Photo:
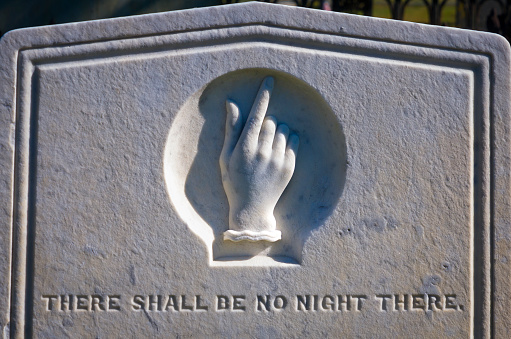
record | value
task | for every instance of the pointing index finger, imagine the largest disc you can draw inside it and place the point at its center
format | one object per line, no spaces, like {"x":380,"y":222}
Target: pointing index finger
{"x":255,"y":119}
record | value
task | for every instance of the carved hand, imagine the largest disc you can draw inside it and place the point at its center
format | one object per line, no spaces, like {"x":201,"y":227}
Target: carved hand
{"x":257,"y":163}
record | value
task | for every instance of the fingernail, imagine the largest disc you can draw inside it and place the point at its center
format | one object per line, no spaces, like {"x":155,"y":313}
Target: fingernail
{"x":269,"y":82}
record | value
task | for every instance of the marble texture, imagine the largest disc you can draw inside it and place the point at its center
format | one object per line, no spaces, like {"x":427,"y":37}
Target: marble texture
{"x":257,"y":162}
{"x":395,"y":221}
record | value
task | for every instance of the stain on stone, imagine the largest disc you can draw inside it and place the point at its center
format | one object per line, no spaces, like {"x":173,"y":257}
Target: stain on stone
{"x":419,"y":230}
{"x":391,"y":223}
{"x":94,"y":251}
{"x":67,"y":322}
{"x":432,"y":280}
{"x":133,"y":277}
{"x":345,"y":231}
{"x":267,"y":332}
{"x":151,"y":320}
{"x":447,"y":266}
{"x":376,"y":224}
{"x":430,"y":284}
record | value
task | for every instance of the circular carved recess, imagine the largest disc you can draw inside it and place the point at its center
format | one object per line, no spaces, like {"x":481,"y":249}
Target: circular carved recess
{"x":192,"y":170}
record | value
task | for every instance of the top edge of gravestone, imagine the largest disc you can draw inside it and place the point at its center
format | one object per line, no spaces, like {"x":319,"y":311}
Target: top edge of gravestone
{"x":252,"y":13}
{"x":255,"y":13}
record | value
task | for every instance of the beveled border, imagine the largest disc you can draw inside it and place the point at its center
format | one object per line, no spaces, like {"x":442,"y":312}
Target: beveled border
{"x":18,"y":67}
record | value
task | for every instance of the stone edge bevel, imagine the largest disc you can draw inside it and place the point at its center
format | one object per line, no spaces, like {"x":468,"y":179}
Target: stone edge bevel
{"x":281,"y":16}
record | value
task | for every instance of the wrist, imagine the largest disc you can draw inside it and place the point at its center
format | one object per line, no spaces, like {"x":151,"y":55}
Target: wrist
{"x":252,"y":225}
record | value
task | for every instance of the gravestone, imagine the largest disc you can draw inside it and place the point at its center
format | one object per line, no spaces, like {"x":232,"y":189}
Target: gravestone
{"x":254,"y":170}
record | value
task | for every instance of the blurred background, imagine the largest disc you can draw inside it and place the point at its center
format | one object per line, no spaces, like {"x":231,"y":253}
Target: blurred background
{"x":486,"y":15}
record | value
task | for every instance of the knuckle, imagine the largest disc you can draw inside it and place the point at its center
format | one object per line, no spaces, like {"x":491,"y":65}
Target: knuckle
{"x":262,"y":154}
{"x":275,"y":163}
{"x":246,"y":148}
{"x":289,"y":167}
{"x":252,"y":123}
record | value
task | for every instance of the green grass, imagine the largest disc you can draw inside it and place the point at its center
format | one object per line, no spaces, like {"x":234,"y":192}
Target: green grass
{"x":381,"y":9}
{"x":416,"y":11}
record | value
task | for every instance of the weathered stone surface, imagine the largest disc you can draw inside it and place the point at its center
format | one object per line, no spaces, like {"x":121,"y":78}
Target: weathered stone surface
{"x":115,"y":221}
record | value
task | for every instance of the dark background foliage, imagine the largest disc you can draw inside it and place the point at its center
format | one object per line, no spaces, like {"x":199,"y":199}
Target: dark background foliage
{"x":489,"y":15}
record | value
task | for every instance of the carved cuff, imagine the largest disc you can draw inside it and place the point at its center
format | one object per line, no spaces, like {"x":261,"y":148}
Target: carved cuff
{"x":270,"y":236}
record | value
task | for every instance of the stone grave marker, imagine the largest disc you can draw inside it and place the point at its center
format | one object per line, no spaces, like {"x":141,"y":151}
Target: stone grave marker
{"x":254,"y":171}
